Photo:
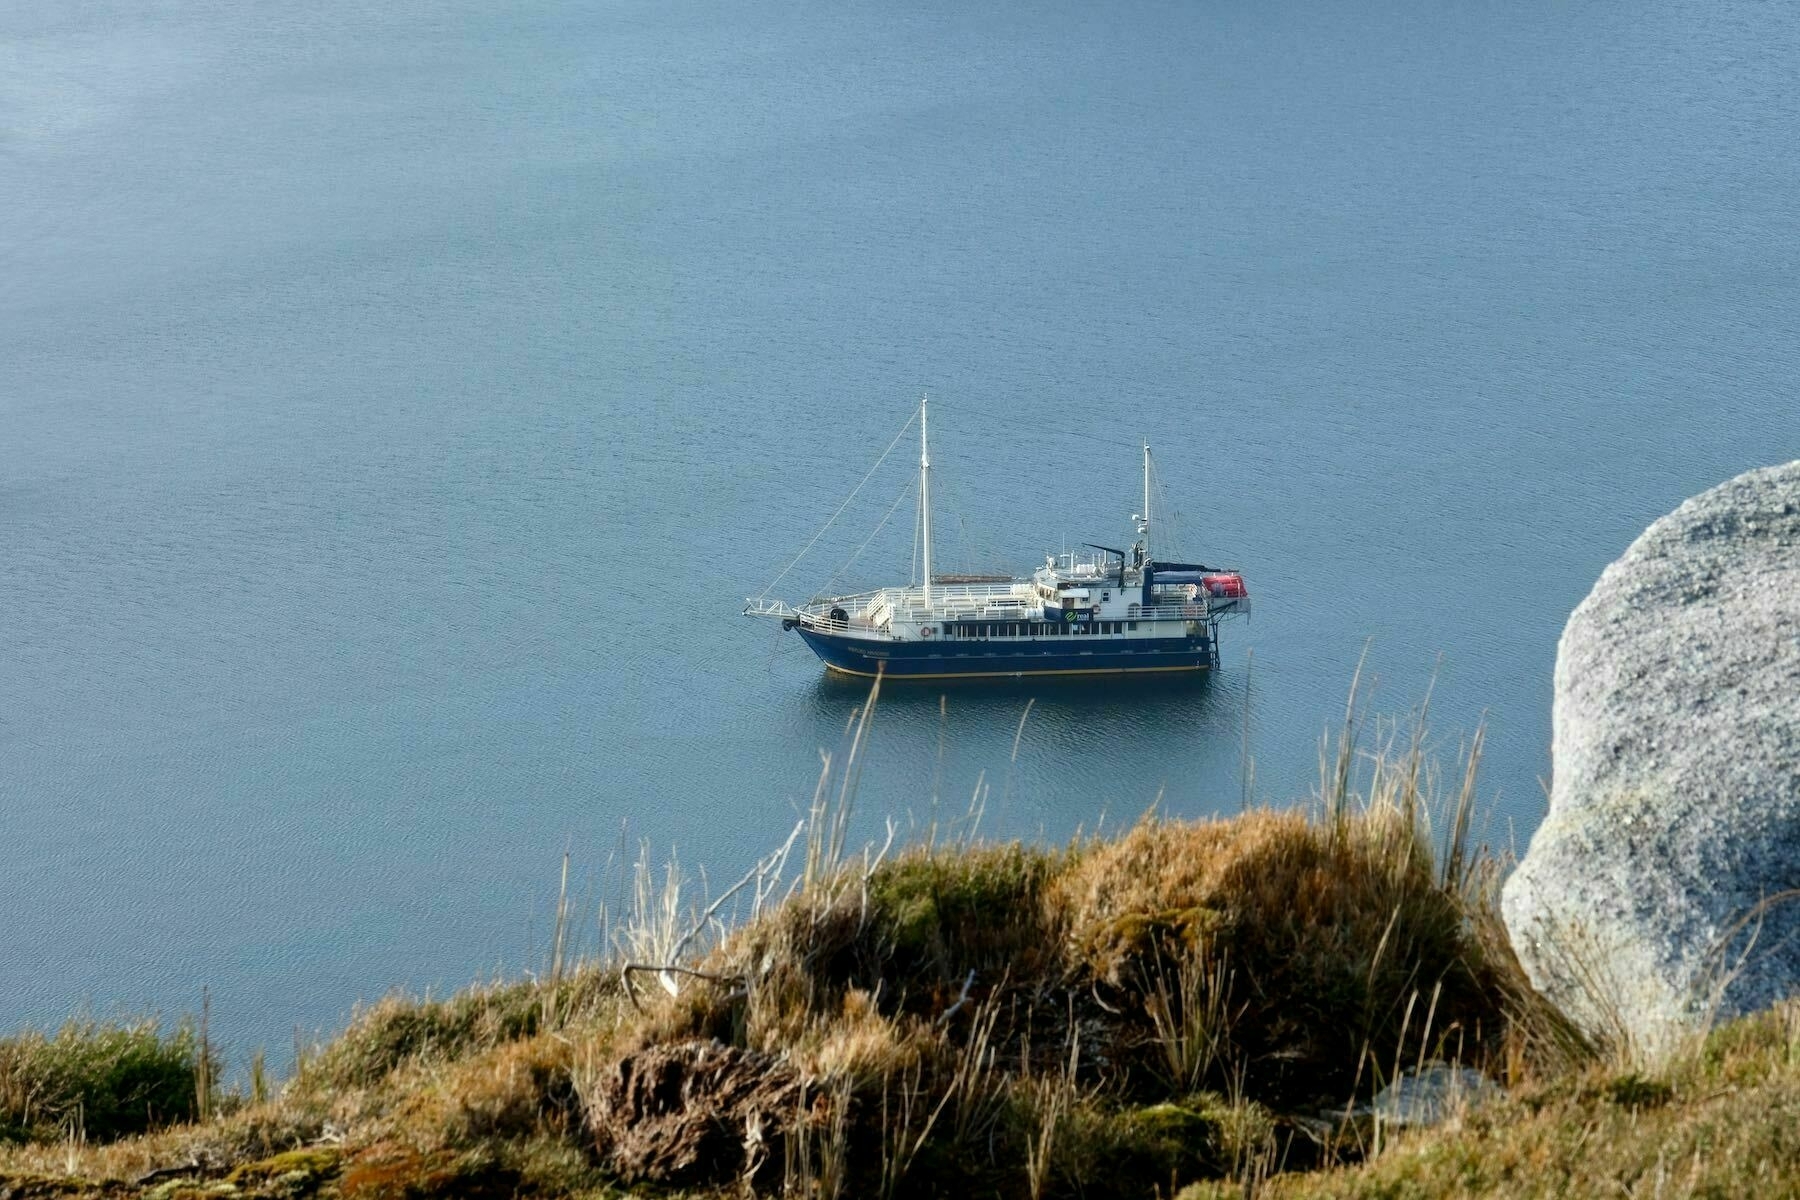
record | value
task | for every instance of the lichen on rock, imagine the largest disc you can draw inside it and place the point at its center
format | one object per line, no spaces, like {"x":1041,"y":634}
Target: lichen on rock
{"x":1654,"y":896}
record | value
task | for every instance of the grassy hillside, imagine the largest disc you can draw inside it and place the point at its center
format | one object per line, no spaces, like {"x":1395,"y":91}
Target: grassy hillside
{"x":1189,"y":1005}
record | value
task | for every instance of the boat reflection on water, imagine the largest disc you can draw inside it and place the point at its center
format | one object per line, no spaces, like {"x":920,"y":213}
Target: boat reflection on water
{"x":1038,"y":755}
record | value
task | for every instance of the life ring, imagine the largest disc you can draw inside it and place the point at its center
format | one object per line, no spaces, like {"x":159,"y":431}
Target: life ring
{"x":927,"y":631}
{"x":1094,"y":611}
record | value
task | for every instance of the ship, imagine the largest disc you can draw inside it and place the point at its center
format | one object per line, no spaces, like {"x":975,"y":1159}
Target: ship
{"x":1097,"y":611}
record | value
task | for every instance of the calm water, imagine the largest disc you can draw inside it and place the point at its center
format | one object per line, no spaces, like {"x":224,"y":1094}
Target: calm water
{"x":397,"y":401}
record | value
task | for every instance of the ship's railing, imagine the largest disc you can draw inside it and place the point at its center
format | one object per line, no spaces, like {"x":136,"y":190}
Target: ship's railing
{"x":757,"y":606}
{"x":817,"y":614}
{"x":995,"y":601}
{"x":1199,"y":609}
{"x":1185,"y":611}
{"x":969,"y":610}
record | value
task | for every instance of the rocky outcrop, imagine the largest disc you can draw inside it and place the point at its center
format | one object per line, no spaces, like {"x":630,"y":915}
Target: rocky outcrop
{"x":1656,"y":894}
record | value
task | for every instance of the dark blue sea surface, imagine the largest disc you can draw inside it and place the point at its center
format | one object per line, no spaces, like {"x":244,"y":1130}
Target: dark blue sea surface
{"x":397,"y":402}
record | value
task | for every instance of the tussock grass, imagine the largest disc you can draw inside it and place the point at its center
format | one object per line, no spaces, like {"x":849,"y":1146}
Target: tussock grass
{"x":1188,"y":1004}
{"x":99,"y":1080}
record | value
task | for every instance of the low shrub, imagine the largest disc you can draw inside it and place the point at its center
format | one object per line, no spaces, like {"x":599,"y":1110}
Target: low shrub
{"x":97,"y":1080}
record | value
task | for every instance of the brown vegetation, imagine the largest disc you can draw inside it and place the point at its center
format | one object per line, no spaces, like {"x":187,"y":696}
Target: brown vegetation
{"x":1192,"y":1004}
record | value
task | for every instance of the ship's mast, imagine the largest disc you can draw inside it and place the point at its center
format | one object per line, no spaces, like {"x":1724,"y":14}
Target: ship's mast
{"x":1144,"y":519}
{"x":925,"y":492}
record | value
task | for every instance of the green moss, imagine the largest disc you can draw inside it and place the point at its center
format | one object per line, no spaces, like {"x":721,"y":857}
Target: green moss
{"x":945,"y":913}
{"x":399,"y":1173}
{"x":296,"y":1168}
{"x":1176,"y":1138}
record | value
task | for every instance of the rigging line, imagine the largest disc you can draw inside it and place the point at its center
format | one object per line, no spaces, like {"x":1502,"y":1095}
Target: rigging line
{"x":840,"y":509}
{"x":1104,"y":441}
{"x":1176,"y":522}
{"x":849,"y":562}
{"x":1178,"y":533}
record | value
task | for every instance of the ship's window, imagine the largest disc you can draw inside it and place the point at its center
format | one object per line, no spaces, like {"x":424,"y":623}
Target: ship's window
{"x":1131,"y":624}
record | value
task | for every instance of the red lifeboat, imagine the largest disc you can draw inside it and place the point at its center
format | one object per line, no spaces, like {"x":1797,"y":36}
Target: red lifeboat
{"x":1225,"y":585}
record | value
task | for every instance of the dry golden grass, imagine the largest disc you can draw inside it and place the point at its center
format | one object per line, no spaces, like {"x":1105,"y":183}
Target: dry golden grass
{"x":1180,"y":1006}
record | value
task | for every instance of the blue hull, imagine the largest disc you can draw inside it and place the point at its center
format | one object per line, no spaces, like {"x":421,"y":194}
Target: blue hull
{"x":1010,"y":659}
